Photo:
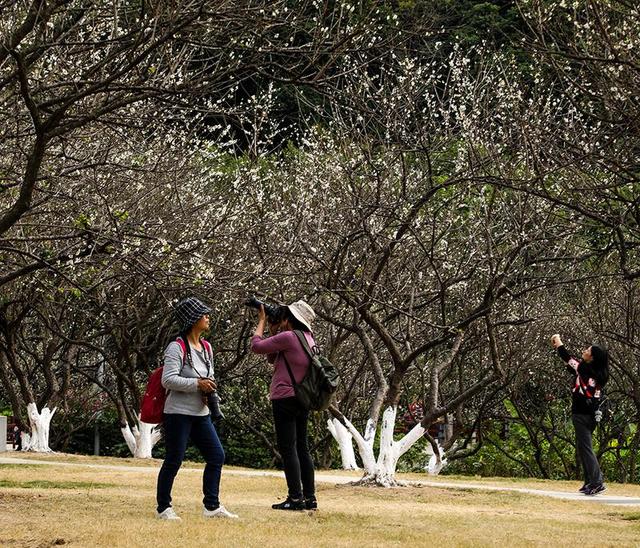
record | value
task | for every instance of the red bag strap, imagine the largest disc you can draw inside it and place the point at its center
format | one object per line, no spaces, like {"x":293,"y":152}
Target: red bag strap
{"x":183,"y":348}
{"x":204,"y":343}
{"x":182,"y":345}
{"x":207,"y":347}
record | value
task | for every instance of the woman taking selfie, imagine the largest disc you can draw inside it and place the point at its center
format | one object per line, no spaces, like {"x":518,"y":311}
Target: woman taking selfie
{"x":188,"y":375}
{"x":590,"y":375}
{"x":285,"y":352}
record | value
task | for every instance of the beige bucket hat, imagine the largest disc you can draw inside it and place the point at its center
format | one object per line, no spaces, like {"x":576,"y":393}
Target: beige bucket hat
{"x":303,"y":313}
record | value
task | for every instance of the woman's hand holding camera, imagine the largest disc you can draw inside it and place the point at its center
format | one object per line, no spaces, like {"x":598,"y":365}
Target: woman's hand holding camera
{"x":206,"y":386}
{"x":262,"y":321}
{"x":262,"y":315}
{"x":555,"y":341}
{"x":210,"y":397}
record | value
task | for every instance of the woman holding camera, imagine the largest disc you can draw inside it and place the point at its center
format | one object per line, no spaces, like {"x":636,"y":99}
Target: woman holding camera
{"x":285,"y":352}
{"x":188,"y":375}
{"x":590,"y":375}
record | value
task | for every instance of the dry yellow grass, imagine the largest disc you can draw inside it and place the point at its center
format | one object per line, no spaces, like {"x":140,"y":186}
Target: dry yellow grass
{"x":41,"y":505}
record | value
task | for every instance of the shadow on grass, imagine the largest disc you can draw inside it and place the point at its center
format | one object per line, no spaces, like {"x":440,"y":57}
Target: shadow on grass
{"x":20,"y":466}
{"x":43,"y":484}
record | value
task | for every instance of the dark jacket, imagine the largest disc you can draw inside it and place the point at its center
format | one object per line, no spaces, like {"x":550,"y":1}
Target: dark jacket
{"x":586,"y":391}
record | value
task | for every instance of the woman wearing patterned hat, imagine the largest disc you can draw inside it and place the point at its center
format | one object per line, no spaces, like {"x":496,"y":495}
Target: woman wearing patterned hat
{"x":188,"y":375}
{"x":284,"y":350}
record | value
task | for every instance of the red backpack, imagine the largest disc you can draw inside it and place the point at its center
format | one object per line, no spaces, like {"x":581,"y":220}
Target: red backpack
{"x":152,"y":405}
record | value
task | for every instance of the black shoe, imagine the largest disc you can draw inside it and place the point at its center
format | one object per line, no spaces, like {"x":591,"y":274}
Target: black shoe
{"x":585,"y":489}
{"x":596,"y":489}
{"x":290,"y":504}
{"x":311,"y":503}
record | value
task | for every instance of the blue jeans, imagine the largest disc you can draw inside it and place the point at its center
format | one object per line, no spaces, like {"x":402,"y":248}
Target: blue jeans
{"x":177,"y":430}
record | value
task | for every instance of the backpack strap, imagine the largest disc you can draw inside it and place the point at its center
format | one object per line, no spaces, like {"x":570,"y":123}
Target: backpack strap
{"x":207,"y":347}
{"x":209,"y":351}
{"x":185,"y":358}
{"x":286,"y":362}
{"x":305,"y":344}
{"x":183,"y":347}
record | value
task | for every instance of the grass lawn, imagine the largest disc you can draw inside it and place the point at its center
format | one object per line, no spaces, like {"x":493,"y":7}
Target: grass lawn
{"x":45,"y":505}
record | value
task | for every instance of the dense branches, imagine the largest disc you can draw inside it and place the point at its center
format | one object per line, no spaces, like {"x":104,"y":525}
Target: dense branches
{"x":437,"y":197}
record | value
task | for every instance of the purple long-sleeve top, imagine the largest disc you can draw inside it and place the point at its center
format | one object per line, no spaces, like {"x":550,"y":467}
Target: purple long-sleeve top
{"x":277,"y":346}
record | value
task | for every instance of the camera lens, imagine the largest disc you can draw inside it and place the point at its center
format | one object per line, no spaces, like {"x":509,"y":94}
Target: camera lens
{"x":213,"y":401}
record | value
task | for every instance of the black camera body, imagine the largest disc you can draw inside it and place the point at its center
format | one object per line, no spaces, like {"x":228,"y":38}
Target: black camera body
{"x":275,"y":313}
{"x":213,"y":401}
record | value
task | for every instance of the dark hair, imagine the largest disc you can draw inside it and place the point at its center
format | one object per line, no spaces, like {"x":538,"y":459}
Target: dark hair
{"x":183,"y":334}
{"x":600,"y":357}
{"x":295,"y":322}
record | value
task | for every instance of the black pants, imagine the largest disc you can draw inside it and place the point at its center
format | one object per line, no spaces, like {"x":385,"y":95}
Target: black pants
{"x":290,"y":420}
{"x":584,"y":426}
{"x":177,"y":431}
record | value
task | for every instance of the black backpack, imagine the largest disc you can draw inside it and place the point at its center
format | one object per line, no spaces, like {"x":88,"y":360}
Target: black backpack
{"x":316,"y":388}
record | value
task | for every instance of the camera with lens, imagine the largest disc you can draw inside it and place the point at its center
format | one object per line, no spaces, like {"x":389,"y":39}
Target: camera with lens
{"x":274,"y":312}
{"x":213,"y":401}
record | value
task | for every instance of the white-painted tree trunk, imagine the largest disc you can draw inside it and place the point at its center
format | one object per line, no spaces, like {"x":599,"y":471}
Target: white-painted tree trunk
{"x":345,"y":444}
{"x":141,"y":438}
{"x":387,"y":457}
{"x":390,"y":450}
{"x":38,"y":440}
{"x":382,"y":471}
{"x":437,"y":460}
{"x":365,"y":445}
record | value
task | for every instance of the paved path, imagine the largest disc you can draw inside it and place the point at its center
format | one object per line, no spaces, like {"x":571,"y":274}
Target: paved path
{"x":617,"y":500}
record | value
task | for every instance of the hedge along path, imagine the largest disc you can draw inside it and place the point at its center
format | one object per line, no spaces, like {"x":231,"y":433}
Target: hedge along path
{"x":615,"y":500}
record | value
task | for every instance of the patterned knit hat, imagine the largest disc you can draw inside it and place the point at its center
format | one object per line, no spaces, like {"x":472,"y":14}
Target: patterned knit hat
{"x":188,"y":311}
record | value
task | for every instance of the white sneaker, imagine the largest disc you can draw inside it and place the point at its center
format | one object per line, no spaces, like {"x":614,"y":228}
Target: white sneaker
{"x":169,"y":513}
{"x":219,"y":512}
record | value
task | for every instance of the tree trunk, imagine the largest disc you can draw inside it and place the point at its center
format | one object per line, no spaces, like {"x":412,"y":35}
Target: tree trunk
{"x":437,"y":461}
{"x":141,"y":438}
{"x":387,"y":457}
{"x":633,"y":456}
{"x":364,"y":444}
{"x":39,"y":422}
{"x":345,"y":444}
{"x":382,"y":472}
